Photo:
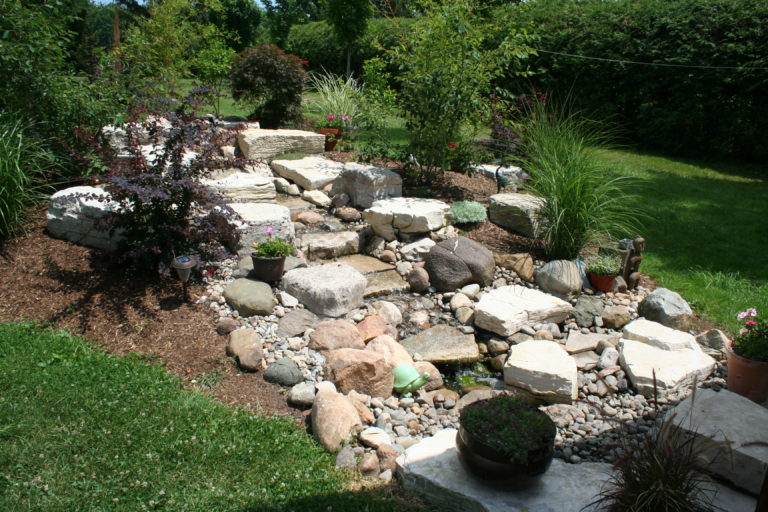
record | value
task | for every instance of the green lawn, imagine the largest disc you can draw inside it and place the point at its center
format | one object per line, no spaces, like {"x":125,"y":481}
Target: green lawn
{"x":84,"y":430}
{"x":706,"y":230}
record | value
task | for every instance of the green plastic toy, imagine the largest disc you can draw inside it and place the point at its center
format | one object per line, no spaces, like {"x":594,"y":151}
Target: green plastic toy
{"x":408,"y":380}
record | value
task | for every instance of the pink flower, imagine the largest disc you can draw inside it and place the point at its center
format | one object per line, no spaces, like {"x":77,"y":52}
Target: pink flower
{"x":269,"y":230}
{"x":331,"y":117}
{"x":345,"y":118}
{"x":751,"y":323}
{"x":742,"y":315}
{"x":751,"y":312}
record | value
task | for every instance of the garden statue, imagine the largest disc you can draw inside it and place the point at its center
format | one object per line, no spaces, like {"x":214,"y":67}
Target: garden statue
{"x":408,"y":380}
{"x":634,"y":255}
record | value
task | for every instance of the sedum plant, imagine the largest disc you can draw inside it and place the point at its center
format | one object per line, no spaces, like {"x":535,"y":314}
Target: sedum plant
{"x":466,"y":212}
{"x":603,"y":265}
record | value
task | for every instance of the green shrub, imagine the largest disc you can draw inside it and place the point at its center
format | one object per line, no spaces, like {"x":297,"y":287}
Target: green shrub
{"x":466,"y":212}
{"x":22,"y":163}
{"x":679,"y":109}
{"x":582,"y":203}
{"x":603,"y":265}
{"x":271,"y":82}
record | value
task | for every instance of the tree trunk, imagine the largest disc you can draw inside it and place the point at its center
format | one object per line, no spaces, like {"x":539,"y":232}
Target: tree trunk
{"x":349,"y":60}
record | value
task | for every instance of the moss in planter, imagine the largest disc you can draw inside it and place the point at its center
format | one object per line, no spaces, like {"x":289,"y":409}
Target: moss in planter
{"x":508,"y":424}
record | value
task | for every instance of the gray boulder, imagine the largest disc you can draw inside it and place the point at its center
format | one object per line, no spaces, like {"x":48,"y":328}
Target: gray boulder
{"x":560,"y":277}
{"x":586,"y":309}
{"x":457,"y":261}
{"x":283,"y":372}
{"x":443,"y":344}
{"x":517,"y":212}
{"x":249,"y":297}
{"x":667,"y":308}
{"x":333,"y":289}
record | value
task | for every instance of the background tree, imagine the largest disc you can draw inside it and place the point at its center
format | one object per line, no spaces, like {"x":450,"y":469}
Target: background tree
{"x":283,"y":14}
{"x":349,"y":19}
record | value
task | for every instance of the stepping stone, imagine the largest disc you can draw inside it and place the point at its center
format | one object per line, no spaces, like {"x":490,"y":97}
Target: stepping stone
{"x":385,"y":283}
{"x":365,"y":264}
{"x":243,"y":187}
{"x":672,"y":368}
{"x":293,"y":203}
{"x":432,"y":468}
{"x":578,"y":342}
{"x":333,"y":289}
{"x":442,"y":344}
{"x":310,"y":173}
{"x":715,"y":416}
{"x":543,"y":368}
{"x":659,"y":336}
{"x":365,"y":184}
{"x":507,"y":309}
{"x":72,"y":216}
{"x":258,"y":144}
{"x":257,"y":217}
{"x":390,"y":217}
{"x":326,"y":246}
{"x":516,"y":212}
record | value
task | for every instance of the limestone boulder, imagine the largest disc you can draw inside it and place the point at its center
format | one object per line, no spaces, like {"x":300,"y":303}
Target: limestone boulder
{"x":560,"y":277}
{"x":316,"y":197}
{"x":384,"y":283}
{"x":443,"y":344}
{"x":74,"y":214}
{"x":257,"y":217}
{"x":390,"y":217}
{"x":393,"y":352}
{"x":520,"y":263}
{"x":671,"y":368}
{"x":365,"y":184}
{"x":260,"y":144}
{"x":249,"y":297}
{"x":363,"y":371}
{"x":333,"y":289}
{"x":457,"y":261}
{"x":333,"y":419}
{"x":507,"y":309}
{"x":616,"y":317}
{"x":578,"y":342}
{"x":657,"y":335}
{"x":243,"y":187}
{"x":302,"y":394}
{"x":326,"y":246}
{"x":544,"y":369}
{"x":667,"y":308}
{"x":517,"y":212}
{"x":310,"y":173}
{"x":335,"y":334}
{"x":418,"y":250}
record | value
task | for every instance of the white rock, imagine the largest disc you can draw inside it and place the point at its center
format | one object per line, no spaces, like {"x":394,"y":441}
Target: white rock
{"x":543,"y":368}
{"x":302,"y":394}
{"x":416,"y":251}
{"x":259,"y":169}
{"x":256,"y":143}
{"x":471,"y":290}
{"x":609,"y":357}
{"x":333,"y":289}
{"x":672,"y":368}
{"x":659,"y":336}
{"x":257,"y":217}
{"x":559,"y":276}
{"x":460,"y":301}
{"x":668,"y":308}
{"x":512,"y":175}
{"x":389,"y":217}
{"x":73,"y":216}
{"x":507,"y":309}
{"x":316,"y":197}
{"x":310,"y":173}
{"x":718,"y":416}
{"x":323,"y":246}
{"x":389,"y":312}
{"x":242,"y":186}
{"x":365,"y":184}
{"x":578,"y":342}
{"x":375,"y":437}
{"x":517,"y":212}
{"x":287,"y":300}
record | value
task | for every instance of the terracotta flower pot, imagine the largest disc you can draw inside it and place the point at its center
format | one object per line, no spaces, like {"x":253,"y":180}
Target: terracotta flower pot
{"x":747,"y":377}
{"x":602,"y":283}
{"x":494,"y":467}
{"x":268,"y":269}
{"x":332,"y":137}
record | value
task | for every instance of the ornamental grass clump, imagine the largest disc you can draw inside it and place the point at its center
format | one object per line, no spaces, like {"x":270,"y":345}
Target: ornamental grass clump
{"x":582,"y":203}
{"x":510,"y":425}
{"x":339,"y":97}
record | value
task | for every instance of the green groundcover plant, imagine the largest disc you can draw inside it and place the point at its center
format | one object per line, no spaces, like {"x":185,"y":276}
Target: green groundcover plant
{"x":752,"y":341}
{"x":603,"y":265}
{"x":466,"y":212}
{"x":273,"y":247}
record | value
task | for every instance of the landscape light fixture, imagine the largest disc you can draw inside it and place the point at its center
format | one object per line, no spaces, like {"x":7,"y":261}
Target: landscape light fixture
{"x":183,"y":266}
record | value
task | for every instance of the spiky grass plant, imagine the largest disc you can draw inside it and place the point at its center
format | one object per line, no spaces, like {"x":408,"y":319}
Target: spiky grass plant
{"x":582,"y":201}
{"x":22,"y":161}
{"x":338,"y":96}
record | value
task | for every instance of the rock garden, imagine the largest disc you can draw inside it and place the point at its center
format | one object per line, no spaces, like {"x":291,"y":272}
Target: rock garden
{"x":375,"y":283}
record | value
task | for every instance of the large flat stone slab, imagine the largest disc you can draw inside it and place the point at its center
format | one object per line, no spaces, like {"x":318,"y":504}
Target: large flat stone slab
{"x":310,"y":173}
{"x":507,"y":309}
{"x":728,"y":416}
{"x":257,"y":217}
{"x":326,"y":246}
{"x":432,"y":469}
{"x":672,"y":368}
{"x":390,"y":217}
{"x":659,"y":336}
{"x":543,"y":368}
{"x":257,"y":143}
{"x":517,"y":212}
{"x":365,"y":184}
{"x":333,"y":289}
{"x":365,"y":264}
{"x":74,"y":213}
{"x":442,"y":344}
{"x":385,"y":283}
{"x":243,"y":187}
